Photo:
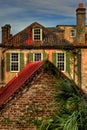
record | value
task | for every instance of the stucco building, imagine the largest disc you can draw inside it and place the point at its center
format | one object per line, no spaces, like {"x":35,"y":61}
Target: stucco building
{"x":64,"y":45}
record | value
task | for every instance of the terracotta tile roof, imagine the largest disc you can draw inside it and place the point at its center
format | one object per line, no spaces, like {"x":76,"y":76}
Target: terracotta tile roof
{"x":12,"y":86}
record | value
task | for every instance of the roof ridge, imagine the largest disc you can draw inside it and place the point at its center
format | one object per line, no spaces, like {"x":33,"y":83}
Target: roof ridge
{"x":13,"y":85}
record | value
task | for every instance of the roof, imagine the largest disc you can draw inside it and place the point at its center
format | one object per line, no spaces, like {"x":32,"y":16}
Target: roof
{"x":27,"y":72}
{"x":52,"y":36}
{"x":12,"y":86}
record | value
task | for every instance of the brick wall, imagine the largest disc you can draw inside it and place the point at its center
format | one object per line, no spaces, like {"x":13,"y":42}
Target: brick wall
{"x":0,"y":63}
{"x":35,"y":101}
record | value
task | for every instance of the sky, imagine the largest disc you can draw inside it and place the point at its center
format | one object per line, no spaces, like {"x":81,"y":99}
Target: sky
{"x":21,"y":13}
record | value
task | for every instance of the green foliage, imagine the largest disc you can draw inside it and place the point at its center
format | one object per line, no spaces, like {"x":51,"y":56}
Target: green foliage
{"x":80,"y":29}
{"x":65,"y":91}
{"x":68,"y":62}
{"x":6,"y":120}
{"x":72,"y":109}
{"x":31,"y":116}
{"x":50,"y":67}
{"x":71,"y":114}
{"x":54,"y":58}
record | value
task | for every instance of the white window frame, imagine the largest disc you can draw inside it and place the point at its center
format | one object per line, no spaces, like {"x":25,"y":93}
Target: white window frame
{"x":73,"y":34}
{"x":15,"y":61}
{"x":37,"y":34}
{"x":61,"y":61}
{"x":37,"y":53}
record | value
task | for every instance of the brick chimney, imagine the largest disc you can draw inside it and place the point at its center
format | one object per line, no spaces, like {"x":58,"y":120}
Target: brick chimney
{"x":80,"y":22}
{"x":6,"y":32}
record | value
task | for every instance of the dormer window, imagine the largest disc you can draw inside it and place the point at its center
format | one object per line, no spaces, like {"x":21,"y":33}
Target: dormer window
{"x":37,"y":34}
{"x":72,"y":33}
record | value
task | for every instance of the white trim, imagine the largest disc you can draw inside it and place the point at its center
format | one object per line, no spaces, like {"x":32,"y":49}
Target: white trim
{"x":73,"y":32}
{"x":64,"y":59}
{"x":33,"y":34}
{"x":18,"y":61}
{"x":37,"y":53}
{"x":41,"y":34}
{"x":37,"y":34}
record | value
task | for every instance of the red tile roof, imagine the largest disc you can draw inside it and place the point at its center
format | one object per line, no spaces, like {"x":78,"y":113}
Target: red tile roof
{"x":12,"y":86}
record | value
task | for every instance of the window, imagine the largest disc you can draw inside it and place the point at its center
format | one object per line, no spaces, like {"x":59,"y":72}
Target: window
{"x":72,"y":33}
{"x":37,"y":56}
{"x":37,"y":34}
{"x":14,"y":60}
{"x":61,"y":61}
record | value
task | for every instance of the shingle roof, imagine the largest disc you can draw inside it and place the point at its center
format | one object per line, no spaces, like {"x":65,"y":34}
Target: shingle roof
{"x":12,"y":86}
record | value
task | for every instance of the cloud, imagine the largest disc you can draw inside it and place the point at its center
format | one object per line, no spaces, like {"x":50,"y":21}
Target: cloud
{"x":36,"y":7}
{"x":21,"y":13}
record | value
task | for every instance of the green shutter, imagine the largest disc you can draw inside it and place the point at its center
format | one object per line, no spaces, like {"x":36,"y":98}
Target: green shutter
{"x":7,"y":62}
{"x":44,"y":56}
{"x":21,"y":61}
{"x":54,"y":58}
{"x":30,"y":57}
{"x":68,"y":62}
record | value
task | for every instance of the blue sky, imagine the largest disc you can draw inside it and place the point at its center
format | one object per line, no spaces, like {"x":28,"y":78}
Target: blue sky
{"x":21,"y":13}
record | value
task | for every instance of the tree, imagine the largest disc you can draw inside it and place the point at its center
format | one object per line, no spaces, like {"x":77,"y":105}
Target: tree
{"x":72,"y":109}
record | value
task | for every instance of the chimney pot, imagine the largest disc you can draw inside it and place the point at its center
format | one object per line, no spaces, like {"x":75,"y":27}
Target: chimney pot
{"x":81,"y":5}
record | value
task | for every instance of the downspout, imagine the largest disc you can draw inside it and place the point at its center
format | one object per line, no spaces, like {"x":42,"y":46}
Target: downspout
{"x":79,"y":68}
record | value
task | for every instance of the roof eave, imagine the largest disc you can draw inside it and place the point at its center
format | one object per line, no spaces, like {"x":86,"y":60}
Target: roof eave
{"x":71,"y":47}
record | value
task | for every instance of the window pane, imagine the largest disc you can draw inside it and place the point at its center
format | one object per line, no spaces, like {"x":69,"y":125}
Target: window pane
{"x":61,"y":66}
{"x":37,"y":34}
{"x":14,"y":61}
{"x":60,"y":61}
{"x":37,"y":56}
{"x":60,"y":56}
{"x":36,"y":31}
{"x":14,"y":67}
{"x":72,"y":33}
{"x":14,"y":57}
{"x":36,"y":37}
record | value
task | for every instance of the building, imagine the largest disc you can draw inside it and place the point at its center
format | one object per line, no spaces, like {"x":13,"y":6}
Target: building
{"x":64,"y":45}
{"x":29,"y":97}
{"x":59,"y":53}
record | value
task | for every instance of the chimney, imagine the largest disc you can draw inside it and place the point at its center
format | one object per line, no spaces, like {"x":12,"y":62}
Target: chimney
{"x":80,"y":22}
{"x":6,"y":32}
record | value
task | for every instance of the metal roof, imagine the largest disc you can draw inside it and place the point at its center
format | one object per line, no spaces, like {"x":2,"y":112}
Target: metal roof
{"x":12,"y":86}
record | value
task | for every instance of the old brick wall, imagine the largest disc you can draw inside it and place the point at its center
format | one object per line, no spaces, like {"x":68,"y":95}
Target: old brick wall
{"x":0,"y":65}
{"x":35,"y":101}
{"x":67,"y":36}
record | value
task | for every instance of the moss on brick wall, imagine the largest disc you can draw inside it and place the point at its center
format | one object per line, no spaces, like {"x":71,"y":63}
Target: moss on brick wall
{"x":32,"y":104}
